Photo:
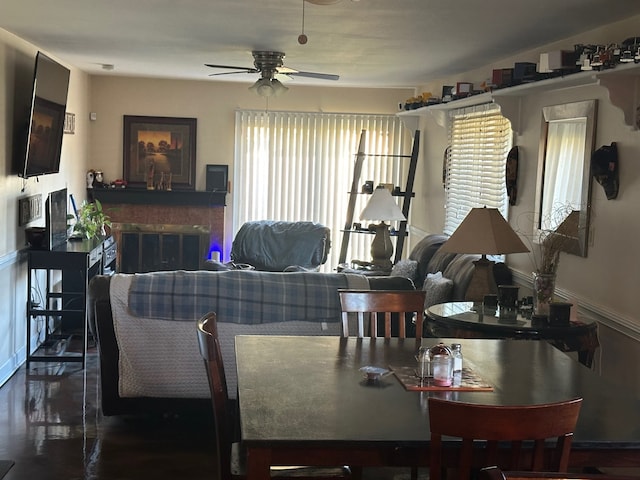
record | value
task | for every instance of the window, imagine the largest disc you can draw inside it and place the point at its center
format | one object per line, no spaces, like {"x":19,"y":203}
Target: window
{"x":479,"y":140}
{"x":297,"y":166}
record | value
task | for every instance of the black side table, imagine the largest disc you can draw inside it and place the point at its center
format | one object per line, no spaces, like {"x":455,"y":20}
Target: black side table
{"x":472,"y":320}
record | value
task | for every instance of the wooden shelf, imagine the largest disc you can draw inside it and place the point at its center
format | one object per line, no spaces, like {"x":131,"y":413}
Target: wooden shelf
{"x":622,"y":82}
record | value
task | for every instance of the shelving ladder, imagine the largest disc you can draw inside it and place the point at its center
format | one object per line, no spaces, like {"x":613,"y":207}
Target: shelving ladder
{"x":407,"y":194}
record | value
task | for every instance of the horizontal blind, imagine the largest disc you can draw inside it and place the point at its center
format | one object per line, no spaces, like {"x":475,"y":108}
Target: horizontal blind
{"x":298,"y":166}
{"x":479,"y":140}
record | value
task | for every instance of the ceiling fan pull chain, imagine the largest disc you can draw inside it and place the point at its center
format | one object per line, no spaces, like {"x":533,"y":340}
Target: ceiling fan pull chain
{"x":302,"y":38}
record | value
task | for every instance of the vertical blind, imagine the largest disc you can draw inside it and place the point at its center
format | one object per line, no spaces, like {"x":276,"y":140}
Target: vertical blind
{"x":479,"y":140}
{"x":298,"y":166}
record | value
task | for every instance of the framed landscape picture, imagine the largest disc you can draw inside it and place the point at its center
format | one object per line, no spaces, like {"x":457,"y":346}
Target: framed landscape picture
{"x":159,"y":152}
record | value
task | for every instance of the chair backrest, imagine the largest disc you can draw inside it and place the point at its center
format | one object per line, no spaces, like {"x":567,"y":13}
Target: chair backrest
{"x":521,"y":426}
{"x":370,"y":305}
{"x":222,"y":407}
{"x":495,"y":473}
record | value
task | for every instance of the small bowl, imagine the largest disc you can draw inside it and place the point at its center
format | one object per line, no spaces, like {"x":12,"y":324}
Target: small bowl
{"x":36,"y":237}
{"x":374,"y":373}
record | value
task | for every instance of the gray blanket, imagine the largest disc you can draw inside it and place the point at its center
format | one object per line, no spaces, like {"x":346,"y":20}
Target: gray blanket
{"x":240,"y":296}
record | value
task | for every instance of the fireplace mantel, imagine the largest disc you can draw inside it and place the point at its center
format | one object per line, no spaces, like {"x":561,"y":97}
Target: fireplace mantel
{"x":157,"y":197}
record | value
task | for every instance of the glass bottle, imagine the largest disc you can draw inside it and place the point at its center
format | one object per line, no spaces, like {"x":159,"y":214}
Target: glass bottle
{"x":456,"y":352}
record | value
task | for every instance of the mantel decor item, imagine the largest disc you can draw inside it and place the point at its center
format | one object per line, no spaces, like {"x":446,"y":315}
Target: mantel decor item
{"x":483,"y":231}
{"x":157,"y":145}
{"x":381,"y":207}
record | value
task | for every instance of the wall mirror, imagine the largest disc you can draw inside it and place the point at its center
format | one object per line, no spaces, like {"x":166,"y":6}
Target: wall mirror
{"x":563,"y":194}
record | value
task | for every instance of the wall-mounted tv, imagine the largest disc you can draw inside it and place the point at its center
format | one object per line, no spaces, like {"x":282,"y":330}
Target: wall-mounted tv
{"x":38,"y":135}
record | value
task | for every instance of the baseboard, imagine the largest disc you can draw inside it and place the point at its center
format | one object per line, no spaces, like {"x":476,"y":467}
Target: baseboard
{"x":8,"y":368}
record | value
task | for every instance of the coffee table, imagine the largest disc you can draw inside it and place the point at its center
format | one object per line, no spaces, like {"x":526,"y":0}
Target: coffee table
{"x":472,"y":320}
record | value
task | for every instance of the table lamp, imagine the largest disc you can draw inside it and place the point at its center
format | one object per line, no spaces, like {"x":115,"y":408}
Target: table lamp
{"x":381,"y":207}
{"x":483,"y":231}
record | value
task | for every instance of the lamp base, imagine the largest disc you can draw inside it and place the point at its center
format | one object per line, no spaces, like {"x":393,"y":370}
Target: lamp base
{"x":482,"y":281}
{"x":381,"y":247}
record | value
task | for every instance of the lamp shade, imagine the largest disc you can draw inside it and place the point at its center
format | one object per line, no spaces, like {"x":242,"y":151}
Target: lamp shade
{"x":382,"y":207}
{"x":484,"y":231}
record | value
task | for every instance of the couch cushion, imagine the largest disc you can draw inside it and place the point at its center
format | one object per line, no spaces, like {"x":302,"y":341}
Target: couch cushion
{"x":438,"y":289}
{"x":460,"y":270}
{"x":440,"y":261}
{"x":406,"y":269}
{"x":423,"y":251}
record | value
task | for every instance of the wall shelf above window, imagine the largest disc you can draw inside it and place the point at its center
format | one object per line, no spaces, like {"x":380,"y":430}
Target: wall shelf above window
{"x":622,"y":82}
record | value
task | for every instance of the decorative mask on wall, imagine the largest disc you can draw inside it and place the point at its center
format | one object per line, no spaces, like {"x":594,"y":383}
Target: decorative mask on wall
{"x":604,"y":168}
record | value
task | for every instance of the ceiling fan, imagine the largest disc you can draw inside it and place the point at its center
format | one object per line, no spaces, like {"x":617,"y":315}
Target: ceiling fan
{"x":268,"y":64}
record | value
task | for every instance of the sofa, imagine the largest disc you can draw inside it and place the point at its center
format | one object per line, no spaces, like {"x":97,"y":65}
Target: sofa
{"x":277,"y":246}
{"x":144,"y":324}
{"x":444,"y":276}
{"x":145,"y":327}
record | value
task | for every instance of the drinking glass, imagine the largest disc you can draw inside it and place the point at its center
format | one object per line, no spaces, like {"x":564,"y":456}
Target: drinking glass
{"x":442,"y":368}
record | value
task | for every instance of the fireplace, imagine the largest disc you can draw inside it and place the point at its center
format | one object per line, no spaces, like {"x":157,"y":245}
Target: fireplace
{"x":160,"y":230}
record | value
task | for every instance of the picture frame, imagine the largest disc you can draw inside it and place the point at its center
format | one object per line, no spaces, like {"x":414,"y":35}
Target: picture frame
{"x":69,"y":123}
{"x":159,"y":151}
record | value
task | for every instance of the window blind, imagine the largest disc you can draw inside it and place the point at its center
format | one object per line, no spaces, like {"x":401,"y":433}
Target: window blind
{"x":479,"y":140}
{"x":298,"y":166}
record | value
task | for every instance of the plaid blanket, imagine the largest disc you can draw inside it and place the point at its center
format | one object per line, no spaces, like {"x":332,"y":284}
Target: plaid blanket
{"x":244,"y":297}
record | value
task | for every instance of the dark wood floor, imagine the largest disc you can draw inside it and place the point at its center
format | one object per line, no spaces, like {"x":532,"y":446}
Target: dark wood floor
{"x":52,"y":427}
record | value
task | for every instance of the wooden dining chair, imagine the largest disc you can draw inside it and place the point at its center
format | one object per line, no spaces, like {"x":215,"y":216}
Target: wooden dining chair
{"x":526,"y":428}
{"x":495,"y":473}
{"x":231,"y":464}
{"x":391,"y":306}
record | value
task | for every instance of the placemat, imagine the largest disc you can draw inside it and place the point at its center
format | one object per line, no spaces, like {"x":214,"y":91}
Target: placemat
{"x":468,"y":381}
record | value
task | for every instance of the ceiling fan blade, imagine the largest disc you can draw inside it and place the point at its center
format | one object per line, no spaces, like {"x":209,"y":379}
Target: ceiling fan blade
{"x":230,"y":73}
{"x":321,"y":76}
{"x":244,"y":69}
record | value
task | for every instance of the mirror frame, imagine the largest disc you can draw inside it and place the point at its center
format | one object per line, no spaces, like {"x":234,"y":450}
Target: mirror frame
{"x":584,"y":109}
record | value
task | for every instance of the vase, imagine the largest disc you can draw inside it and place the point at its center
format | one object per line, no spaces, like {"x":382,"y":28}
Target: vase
{"x":544,"y":285}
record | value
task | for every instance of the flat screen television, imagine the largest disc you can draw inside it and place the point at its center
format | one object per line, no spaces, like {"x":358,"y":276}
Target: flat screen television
{"x":38,"y":135}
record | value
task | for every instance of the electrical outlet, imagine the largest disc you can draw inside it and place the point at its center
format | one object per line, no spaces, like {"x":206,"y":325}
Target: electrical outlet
{"x":29,"y":209}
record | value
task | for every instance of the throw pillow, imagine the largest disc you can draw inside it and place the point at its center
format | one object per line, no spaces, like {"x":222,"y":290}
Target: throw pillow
{"x":405,"y":268}
{"x":437,"y":288}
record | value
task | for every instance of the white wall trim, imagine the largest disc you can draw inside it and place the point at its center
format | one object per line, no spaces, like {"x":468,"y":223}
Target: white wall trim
{"x":11,"y":365}
{"x":9,"y":259}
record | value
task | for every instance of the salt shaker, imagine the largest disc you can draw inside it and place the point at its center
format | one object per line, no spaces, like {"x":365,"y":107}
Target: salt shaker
{"x":456,"y":352}
{"x":424,"y":362}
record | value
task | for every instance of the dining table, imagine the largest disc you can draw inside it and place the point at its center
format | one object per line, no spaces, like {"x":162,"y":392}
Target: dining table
{"x":304,"y":400}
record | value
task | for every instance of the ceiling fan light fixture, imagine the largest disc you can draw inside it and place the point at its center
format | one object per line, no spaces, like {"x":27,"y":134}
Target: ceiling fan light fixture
{"x":266,"y":87}
{"x":278,"y":87}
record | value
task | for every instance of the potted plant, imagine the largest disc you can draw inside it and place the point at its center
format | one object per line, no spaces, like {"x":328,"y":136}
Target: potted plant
{"x":92,"y":221}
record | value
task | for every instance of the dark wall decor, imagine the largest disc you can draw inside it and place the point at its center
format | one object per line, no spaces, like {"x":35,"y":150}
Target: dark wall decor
{"x":159,"y":149}
{"x":217,"y":178}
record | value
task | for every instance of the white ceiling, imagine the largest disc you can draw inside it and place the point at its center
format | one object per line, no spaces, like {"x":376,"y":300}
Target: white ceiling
{"x":376,"y":43}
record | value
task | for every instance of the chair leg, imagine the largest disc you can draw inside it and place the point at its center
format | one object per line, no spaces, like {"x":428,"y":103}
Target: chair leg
{"x":414,"y":473}
{"x":356,"y":472}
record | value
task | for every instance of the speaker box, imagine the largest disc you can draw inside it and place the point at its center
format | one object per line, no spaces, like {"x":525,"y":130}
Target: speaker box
{"x":217,"y":178}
